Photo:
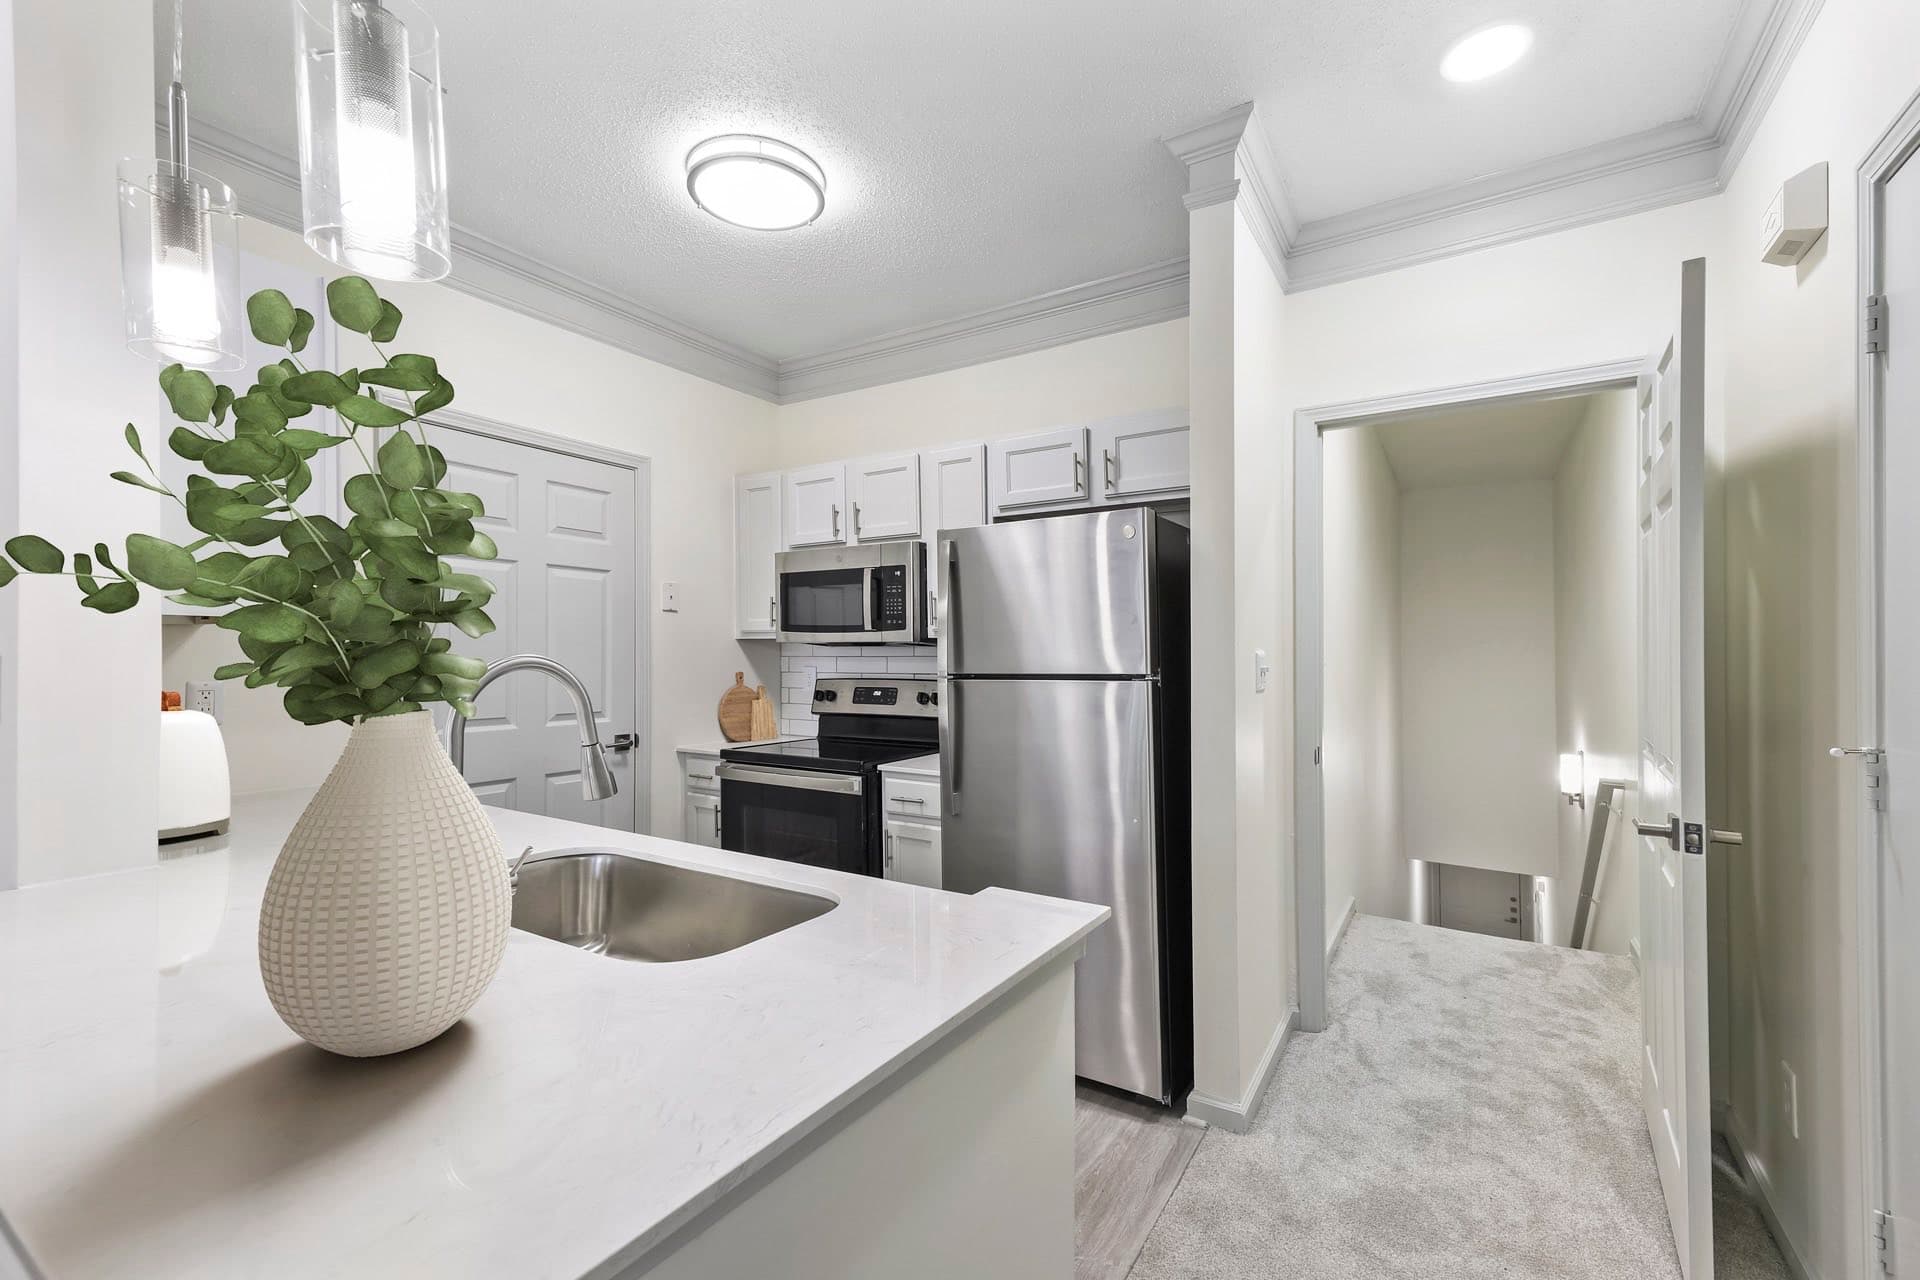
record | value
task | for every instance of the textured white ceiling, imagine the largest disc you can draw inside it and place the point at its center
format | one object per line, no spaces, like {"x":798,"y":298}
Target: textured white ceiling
{"x":1481,"y":444}
{"x":976,"y":154}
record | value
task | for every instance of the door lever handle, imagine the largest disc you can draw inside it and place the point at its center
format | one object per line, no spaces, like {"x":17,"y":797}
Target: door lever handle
{"x":1668,"y":830}
{"x":1870,"y":754}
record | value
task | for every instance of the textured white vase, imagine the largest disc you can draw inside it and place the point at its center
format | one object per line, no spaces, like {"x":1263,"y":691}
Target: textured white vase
{"x":388,"y":908}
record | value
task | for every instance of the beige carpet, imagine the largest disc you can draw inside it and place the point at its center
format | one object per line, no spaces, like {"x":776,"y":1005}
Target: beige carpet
{"x":1473,"y":1111}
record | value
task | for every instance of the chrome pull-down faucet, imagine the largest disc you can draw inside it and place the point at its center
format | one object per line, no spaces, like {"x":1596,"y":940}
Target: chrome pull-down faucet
{"x":596,"y":779}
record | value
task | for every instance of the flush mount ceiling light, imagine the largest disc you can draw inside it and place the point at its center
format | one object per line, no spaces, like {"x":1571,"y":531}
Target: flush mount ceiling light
{"x":754,"y":182}
{"x":1487,"y":52}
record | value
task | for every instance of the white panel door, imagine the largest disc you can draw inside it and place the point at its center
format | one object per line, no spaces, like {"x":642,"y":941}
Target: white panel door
{"x":567,"y":582}
{"x":1672,"y":818}
{"x":886,"y":497}
{"x":1045,"y":469}
{"x":953,"y":495}
{"x":913,"y":854}
{"x":1897,"y":877}
{"x":1142,"y":454}
{"x":756,"y":540}
{"x":816,"y":498}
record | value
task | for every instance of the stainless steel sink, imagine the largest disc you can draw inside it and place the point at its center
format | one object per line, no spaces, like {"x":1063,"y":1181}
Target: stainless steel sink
{"x":634,"y":908}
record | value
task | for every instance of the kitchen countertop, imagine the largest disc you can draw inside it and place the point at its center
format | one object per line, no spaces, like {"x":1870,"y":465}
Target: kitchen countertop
{"x":715,"y":748}
{"x":927,"y":766}
{"x":156,"y":1118}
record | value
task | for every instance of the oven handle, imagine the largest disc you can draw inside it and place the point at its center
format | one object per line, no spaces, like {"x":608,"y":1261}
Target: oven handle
{"x":797,"y":779}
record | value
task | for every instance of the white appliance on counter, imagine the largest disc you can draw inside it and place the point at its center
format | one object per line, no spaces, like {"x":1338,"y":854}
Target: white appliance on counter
{"x":196,"y":792}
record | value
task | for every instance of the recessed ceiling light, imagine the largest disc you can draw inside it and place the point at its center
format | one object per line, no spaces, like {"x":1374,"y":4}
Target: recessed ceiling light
{"x":754,"y":182}
{"x":1487,"y":52}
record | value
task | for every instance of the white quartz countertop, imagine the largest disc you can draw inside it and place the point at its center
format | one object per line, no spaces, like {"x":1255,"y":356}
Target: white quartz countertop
{"x":927,"y":766}
{"x":157,"y":1119}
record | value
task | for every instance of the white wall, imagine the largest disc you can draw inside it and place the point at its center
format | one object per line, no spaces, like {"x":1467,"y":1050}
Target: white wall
{"x":1478,"y":764}
{"x":1786,"y":414}
{"x":518,"y":370}
{"x":1366,"y":863}
{"x":85,"y":701}
{"x":9,"y":447}
{"x":1596,"y":647}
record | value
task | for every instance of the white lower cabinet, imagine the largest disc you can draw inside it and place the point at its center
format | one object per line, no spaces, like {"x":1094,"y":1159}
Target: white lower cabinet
{"x":703,"y":819}
{"x":700,"y":798}
{"x":912,"y":853}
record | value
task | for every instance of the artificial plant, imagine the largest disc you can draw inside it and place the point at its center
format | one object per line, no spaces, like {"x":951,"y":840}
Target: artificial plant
{"x":344,"y":618}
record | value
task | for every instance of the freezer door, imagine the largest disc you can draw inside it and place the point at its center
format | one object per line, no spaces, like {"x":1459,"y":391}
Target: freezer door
{"x":1049,"y":788}
{"x":1063,"y":596}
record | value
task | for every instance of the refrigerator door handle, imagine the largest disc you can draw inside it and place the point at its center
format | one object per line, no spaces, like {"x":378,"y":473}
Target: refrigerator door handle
{"x":950,"y":740}
{"x":949,"y":574}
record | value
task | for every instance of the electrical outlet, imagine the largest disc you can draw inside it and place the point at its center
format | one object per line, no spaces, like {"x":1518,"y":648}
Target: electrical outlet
{"x":1790,"y":1098}
{"x":203,"y":695}
{"x":669,"y":597}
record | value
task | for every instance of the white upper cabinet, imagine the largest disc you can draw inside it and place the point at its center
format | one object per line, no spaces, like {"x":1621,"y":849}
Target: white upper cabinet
{"x":953,"y":488}
{"x":886,"y":497}
{"x":814,"y":507}
{"x":1140,"y":455}
{"x":756,"y":537}
{"x":1041,"y":470}
{"x":953,"y":495}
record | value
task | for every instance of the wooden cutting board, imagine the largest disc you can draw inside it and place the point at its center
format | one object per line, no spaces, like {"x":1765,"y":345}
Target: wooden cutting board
{"x":736,"y":710}
{"x":765,"y":723}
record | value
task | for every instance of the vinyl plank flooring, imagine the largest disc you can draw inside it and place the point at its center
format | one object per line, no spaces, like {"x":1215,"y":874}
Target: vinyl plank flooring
{"x":1128,"y":1158}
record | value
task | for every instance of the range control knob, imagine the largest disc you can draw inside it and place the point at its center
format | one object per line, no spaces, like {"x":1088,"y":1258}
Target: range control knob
{"x":825,"y":695}
{"x":924,"y":699}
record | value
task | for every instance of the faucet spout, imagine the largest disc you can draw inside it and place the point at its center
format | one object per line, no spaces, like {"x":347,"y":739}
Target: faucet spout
{"x":596,"y":779}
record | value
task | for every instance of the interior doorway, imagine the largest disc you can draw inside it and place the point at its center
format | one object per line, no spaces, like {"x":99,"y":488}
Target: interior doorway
{"x":1479,"y":678}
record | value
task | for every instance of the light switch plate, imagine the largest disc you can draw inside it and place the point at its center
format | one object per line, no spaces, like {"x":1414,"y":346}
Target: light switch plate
{"x":1262,"y":670}
{"x":669,"y":597}
{"x":1790,"y":1097}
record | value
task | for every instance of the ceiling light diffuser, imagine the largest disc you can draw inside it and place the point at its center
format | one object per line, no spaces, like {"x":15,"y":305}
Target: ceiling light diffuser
{"x":758,"y":183}
{"x":1486,"y":52}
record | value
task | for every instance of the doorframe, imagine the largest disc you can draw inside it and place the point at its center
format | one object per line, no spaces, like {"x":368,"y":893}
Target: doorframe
{"x":1309,"y":571}
{"x":1896,"y":147}
{"x":642,"y":468}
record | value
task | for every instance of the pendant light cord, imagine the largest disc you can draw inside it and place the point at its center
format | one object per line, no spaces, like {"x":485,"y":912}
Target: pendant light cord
{"x":177,"y":95}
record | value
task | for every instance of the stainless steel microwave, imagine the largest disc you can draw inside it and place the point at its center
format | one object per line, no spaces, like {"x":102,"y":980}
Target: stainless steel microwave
{"x":873,"y":594}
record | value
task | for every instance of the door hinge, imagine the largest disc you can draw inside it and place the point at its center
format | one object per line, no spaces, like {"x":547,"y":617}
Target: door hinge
{"x":1884,"y":1237}
{"x":1874,"y":323}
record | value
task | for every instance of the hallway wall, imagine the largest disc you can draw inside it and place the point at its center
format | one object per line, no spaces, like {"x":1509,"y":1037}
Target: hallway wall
{"x":1478,"y":765}
{"x":1596,"y":649}
{"x":1366,"y":865}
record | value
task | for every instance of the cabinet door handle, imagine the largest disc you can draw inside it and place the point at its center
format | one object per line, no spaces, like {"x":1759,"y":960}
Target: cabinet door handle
{"x":716,"y":821}
{"x":856,"y":522}
{"x":889,"y":861}
{"x":910,"y":800}
{"x":699,"y":777}
{"x":1106,"y":469}
{"x":1079,"y":473}
{"x":836,"y":519}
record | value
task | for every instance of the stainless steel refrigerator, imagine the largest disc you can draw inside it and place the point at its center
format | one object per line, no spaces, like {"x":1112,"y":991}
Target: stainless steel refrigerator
{"x":1064,"y":760}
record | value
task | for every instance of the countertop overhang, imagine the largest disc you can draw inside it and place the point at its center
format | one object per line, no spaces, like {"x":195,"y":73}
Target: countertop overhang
{"x":157,"y":1118}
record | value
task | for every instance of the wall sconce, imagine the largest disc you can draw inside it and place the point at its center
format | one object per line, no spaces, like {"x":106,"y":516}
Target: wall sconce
{"x":1573,"y":778}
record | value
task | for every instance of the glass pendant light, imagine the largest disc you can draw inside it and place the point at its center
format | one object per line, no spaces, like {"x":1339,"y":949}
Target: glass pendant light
{"x":373,"y":167}
{"x":179,"y":251}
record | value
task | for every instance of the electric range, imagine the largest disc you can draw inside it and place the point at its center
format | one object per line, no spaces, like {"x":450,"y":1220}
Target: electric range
{"x":817,"y":800}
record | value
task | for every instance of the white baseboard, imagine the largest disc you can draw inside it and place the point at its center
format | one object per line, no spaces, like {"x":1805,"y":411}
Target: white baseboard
{"x":1757,"y":1179}
{"x":1237,"y":1117}
{"x":1339,"y":931}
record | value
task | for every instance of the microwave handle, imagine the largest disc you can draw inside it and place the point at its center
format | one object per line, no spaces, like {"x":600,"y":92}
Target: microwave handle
{"x":868,"y":586}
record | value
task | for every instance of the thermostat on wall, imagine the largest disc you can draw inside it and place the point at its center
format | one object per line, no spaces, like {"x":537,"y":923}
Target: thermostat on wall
{"x":1796,"y":218}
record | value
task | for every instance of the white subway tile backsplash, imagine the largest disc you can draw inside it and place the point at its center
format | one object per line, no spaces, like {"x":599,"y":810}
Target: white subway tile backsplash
{"x":802,"y":664}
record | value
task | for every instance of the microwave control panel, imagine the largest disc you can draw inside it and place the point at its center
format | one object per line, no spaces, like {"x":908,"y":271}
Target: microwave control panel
{"x":890,"y":598}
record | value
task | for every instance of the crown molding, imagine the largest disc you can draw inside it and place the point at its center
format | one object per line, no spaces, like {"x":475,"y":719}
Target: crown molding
{"x":1661,"y":167}
{"x":268,"y":186}
{"x":1227,"y":159}
{"x":1126,"y":301}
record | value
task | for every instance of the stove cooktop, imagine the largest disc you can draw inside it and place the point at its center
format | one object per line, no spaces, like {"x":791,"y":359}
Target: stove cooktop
{"x":832,"y":755}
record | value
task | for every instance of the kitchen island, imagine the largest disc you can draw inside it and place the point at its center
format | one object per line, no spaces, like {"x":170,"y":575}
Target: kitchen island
{"x":884,"y":1090}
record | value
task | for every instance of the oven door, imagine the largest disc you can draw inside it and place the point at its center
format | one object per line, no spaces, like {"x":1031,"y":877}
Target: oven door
{"x":827,"y":606}
{"x":797,"y":815}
